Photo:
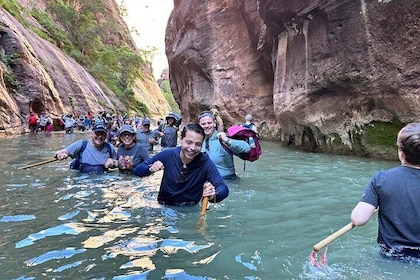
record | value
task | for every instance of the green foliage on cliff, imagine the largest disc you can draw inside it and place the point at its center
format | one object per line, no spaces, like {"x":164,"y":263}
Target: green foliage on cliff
{"x":14,"y":8}
{"x":383,"y":133}
{"x":10,"y":81}
{"x":167,"y":93}
{"x":74,"y":26}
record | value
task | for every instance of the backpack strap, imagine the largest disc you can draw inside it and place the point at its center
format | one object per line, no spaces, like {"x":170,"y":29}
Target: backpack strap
{"x":225,"y":147}
{"x":82,"y":148}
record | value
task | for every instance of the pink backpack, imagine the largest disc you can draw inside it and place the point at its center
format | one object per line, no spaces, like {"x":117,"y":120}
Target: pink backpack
{"x":242,"y":133}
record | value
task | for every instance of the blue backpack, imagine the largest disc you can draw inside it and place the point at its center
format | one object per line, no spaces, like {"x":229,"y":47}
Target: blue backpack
{"x":75,"y":163}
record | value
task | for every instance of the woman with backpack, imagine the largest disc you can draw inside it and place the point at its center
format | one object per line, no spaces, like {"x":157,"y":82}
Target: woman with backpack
{"x":222,"y":158}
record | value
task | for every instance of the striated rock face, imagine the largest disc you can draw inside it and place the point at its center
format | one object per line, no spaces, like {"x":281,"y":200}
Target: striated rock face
{"x":219,"y":56}
{"x":52,"y":81}
{"x":330,"y":74}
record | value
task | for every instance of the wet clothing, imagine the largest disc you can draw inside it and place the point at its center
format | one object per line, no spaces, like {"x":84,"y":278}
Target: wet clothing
{"x":397,"y":193}
{"x":170,"y":137}
{"x":184,"y":186}
{"x":222,"y":158}
{"x":91,"y":160}
{"x":129,"y":158}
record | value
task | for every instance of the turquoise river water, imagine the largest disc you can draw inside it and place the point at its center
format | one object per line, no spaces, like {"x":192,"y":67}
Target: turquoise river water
{"x":58,"y":224}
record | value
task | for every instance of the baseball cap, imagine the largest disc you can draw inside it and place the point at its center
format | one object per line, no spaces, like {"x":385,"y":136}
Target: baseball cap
{"x":126,"y":128}
{"x":100,"y":128}
{"x":145,"y":122}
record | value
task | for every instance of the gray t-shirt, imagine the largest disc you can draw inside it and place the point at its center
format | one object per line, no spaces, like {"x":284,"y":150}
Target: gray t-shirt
{"x":397,"y":193}
{"x":128,"y":159}
{"x":91,"y":155}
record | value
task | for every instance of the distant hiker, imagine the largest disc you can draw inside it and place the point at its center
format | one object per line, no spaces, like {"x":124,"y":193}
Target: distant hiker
{"x":147,"y":137}
{"x":248,"y":123}
{"x":94,"y":156}
{"x":212,"y":145}
{"x":170,"y":133}
{"x":69,"y":122}
{"x":112,"y":137}
{"x":43,"y":119}
{"x":33,"y":122}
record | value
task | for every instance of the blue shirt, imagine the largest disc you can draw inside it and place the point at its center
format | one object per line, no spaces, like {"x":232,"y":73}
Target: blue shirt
{"x":397,"y":193}
{"x":186,"y":188}
{"x":222,"y":158}
{"x":143,"y":138}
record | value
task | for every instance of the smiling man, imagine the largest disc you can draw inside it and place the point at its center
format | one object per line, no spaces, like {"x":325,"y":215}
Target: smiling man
{"x":94,"y":156}
{"x":188,"y":174}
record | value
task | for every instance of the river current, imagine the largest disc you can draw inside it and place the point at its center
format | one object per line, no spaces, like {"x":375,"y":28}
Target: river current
{"x":58,"y":224}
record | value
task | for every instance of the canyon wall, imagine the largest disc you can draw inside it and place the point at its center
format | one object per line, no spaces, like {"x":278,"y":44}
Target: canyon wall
{"x":52,"y":81}
{"x":321,"y":75}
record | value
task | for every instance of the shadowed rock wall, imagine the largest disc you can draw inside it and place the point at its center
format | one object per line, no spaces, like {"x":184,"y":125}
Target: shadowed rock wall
{"x":322,"y":75}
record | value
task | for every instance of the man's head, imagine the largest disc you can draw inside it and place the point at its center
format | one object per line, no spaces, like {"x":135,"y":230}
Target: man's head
{"x":146,"y":125}
{"x":192,"y":137}
{"x":207,"y":122}
{"x":98,"y":135}
{"x":170,"y":120}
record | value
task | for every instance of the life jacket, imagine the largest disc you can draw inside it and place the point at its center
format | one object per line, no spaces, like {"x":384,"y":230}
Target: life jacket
{"x":242,"y":133}
{"x":89,"y":168}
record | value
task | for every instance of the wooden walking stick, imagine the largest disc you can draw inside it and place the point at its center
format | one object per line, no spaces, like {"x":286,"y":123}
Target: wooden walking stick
{"x":328,"y":240}
{"x":204,"y":207}
{"x":38,"y":163}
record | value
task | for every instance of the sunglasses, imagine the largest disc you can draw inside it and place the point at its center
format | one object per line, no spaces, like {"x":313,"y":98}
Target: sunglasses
{"x":181,"y":177}
{"x":207,"y":144}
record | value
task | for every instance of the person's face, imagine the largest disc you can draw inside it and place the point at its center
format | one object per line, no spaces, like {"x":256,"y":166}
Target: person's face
{"x":171,"y":121}
{"x":146,"y":127}
{"x":191,"y":145}
{"x":208,"y":124}
{"x":127,"y":138}
{"x":98,"y":138}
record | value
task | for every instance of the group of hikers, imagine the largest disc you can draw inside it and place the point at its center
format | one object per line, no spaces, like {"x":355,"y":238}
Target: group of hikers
{"x":202,"y":160}
{"x":191,"y":169}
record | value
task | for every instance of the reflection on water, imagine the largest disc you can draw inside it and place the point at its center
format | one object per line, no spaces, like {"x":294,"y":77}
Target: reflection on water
{"x":58,"y":224}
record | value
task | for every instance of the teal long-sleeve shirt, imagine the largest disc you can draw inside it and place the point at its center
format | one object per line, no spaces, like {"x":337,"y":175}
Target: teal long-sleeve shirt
{"x":222,"y":158}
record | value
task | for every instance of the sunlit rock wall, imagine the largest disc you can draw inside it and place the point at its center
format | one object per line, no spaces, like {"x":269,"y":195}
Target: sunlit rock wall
{"x":54,"y":82}
{"x":325,"y":72}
